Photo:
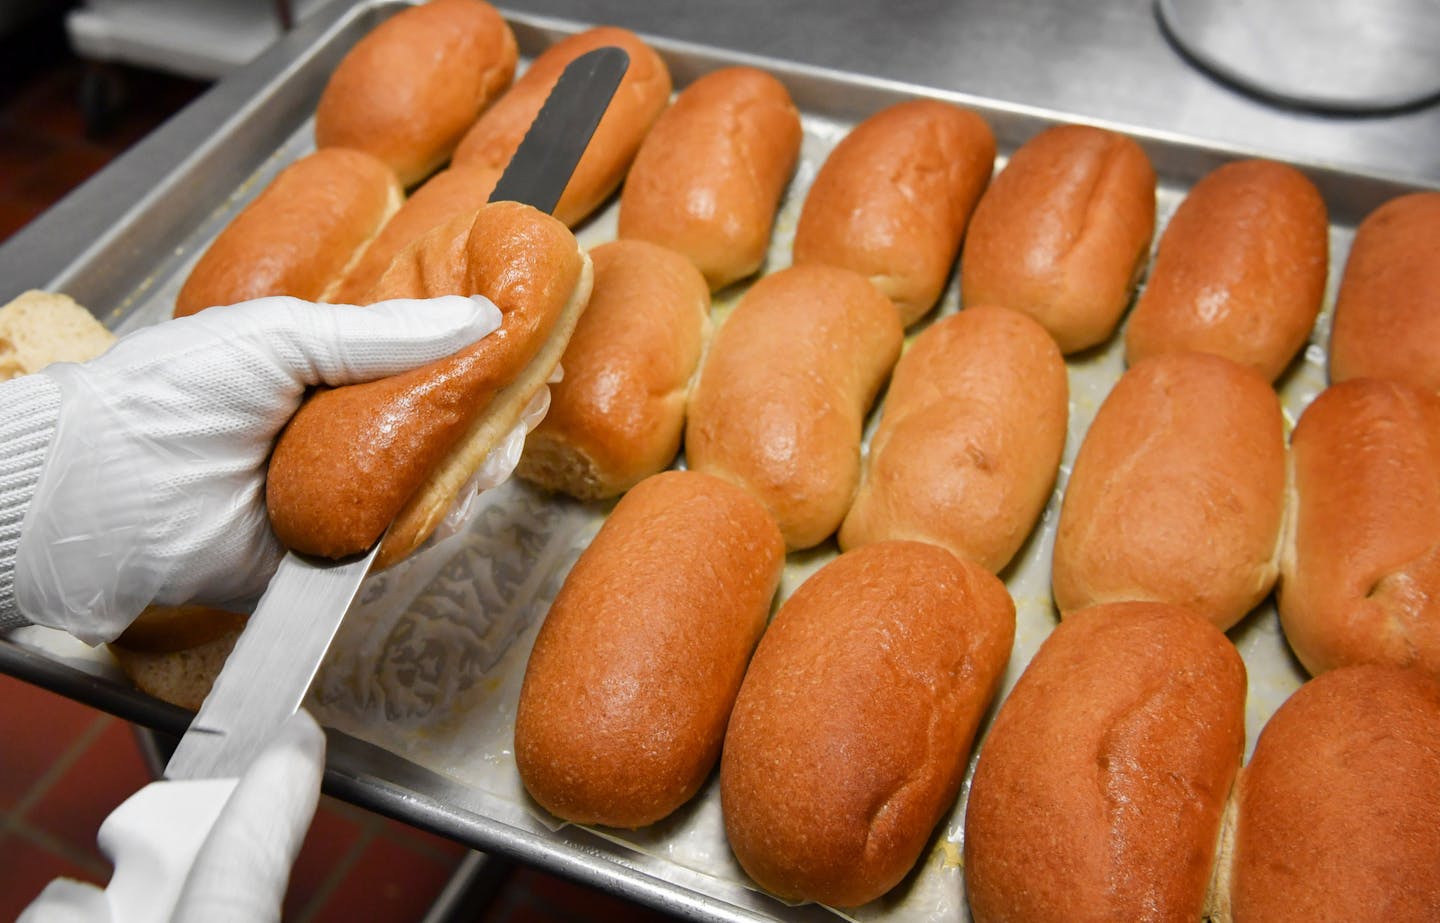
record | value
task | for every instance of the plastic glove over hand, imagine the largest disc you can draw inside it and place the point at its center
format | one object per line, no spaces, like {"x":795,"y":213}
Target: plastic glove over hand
{"x":153,"y":490}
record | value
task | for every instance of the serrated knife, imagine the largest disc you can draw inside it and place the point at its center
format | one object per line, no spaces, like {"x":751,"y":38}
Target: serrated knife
{"x":268,"y":673}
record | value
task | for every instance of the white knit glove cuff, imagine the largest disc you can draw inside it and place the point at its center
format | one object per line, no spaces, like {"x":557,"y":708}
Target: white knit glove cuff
{"x":29,"y":407}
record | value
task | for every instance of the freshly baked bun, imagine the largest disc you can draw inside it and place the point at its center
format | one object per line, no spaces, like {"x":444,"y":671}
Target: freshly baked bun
{"x":1063,"y":233}
{"x":1337,"y":816}
{"x":1360,"y":570}
{"x":408,"y":90}
{"x":1387,"y":313}
{"x":708,"y":179}
{"x":1101,"y":785}
{"x":969,"y":440}
{"x":853,"y":728}
{"x":617,"y":415}
{"x":1240,"y":271}
{"x":636,"y":667}
{"x":300,"y":236}
{"x":892,"y":199}
{"x":784,"y":391}
{"x":1178,"y":492}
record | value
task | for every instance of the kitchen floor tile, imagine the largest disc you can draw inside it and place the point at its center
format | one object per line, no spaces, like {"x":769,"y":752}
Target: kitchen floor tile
{"x":389,"y":884}
{"x":37,"y":728}
{"x":28,"y":868}
{"x":331,"y":846}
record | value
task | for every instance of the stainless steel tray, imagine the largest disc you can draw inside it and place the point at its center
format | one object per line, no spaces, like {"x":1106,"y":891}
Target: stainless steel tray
{"x":419,"y":692}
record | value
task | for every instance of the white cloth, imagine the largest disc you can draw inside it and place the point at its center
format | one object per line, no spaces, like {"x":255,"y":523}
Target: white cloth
{"x":210,"y":850}
{"x":153,"y":489}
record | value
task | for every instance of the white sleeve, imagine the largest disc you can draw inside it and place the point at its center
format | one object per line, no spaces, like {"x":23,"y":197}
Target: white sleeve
{"x":29,"y":408}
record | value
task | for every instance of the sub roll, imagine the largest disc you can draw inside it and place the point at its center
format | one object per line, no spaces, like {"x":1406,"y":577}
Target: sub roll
{"x":1240,"y":270}
{"x":1063,"y":233}
{"x":633,"y":674}
{"x":396,"y":453}
{"x":892,"y":200}
{"x":446,"y":195}
{"x":1337,"y":817}
{"x":1387,"y":313}
{"x":1360,"y":573}
{"x":969,"y":440}
{"x":617,"y":415}
{"x":642,"y":95}
{"x":409,"y":89}
{"x":1100,"y":787}
{"x":853,"y":728}
{"x":784,"y":391}
{"x":299,"y":236}
{"x":707,"y":180}
{"x":1178,"y":492}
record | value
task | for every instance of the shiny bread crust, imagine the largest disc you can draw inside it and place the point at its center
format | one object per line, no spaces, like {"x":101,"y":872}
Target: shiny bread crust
{"x":356,"y":459}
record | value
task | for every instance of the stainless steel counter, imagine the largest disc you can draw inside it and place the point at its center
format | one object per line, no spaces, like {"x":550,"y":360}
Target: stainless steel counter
{"x":1095,"y":59}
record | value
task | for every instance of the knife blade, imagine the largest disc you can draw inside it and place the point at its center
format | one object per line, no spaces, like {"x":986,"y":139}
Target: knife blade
{"x":270,"y":669}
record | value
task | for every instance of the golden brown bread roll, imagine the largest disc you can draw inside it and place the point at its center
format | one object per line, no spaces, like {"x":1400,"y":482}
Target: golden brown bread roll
{"x":1387,"y":313}
{"x":1177,"y":493}
{"x":642,"y":94}
{"x":174,"y":653}
{"x":1338,"y":818}
{"x":1063,"y":233}
{"x":410,"y":88}
{"x":299,"y":236}
{"x":1360,"y":570}
{"x":852,"y":730}
{"x":396,"y":452}
{"x":969,"y":439}
{"x":1100,"y":787}
{"x":891,"y":201}
{"x":444,"y":196}
{"x":784,"y":391}
{"x":707,"y":180}
{"x":617,"y":415}
{"x":623,"y":709}
{"x":1240,"y":270}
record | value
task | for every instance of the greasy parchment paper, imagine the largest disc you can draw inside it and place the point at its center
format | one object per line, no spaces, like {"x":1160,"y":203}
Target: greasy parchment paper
{"x":428,"y":664}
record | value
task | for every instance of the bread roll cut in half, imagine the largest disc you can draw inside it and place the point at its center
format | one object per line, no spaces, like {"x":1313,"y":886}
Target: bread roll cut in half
{"x":642,"y":94}
{"x":1178,"y":492}
{"x":1360,"y":572}
{"x":970,"y":439}
{"x":299,"y":236}
{"x":1063,"y":233}
{"x":1387,"y":313}
{"x":631,"y":680}
{"x":619,"y":412}
{"x":409,"y":89}
{"x":174,"y":653}
{"x":1101,"y":785}
{"x":1240,"y":270}
{"x":784,"y":391}
{"x":38,"y":328}
{"x":446,"y":195}
{"x":708,"y":179}
{"x":1338,"y":818}
{"x":396,"y":452}
{"x":892,"y":200}
{"x":853,"y":728}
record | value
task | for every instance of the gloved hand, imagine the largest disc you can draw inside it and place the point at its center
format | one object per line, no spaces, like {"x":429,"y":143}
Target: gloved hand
{"x":207,"y":850}
{"x":153,"y":489}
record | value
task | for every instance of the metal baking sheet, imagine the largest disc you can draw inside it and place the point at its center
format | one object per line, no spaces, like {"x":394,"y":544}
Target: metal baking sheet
{"x":420,"y":687}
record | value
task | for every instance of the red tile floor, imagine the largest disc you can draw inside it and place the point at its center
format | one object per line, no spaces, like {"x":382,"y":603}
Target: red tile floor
{"x":65,"y":766}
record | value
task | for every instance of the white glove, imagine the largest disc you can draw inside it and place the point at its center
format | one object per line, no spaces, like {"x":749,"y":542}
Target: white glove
{"x":210,"y":850}
{"x":153,"y":489}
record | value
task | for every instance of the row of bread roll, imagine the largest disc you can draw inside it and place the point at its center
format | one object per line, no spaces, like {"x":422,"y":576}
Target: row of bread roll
{"x":1110,"y":787}
{"x":1177,"y":493}
{"x":850,"y":727}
